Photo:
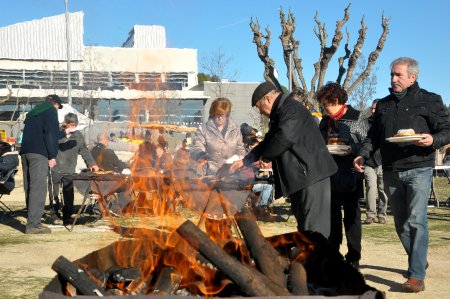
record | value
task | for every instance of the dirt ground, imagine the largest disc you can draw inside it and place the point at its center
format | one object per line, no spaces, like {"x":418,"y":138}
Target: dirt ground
{"x":25,"y":260}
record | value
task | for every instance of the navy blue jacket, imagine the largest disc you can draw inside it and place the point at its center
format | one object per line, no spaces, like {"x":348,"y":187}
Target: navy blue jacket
{"x":41,"y":134}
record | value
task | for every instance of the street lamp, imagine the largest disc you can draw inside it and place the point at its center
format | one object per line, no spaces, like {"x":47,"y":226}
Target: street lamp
{"x":69,"y":84}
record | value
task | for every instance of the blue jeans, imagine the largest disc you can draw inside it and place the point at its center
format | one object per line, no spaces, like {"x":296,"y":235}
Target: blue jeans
{"x":408,"y":195}
{"x":265,"y":191}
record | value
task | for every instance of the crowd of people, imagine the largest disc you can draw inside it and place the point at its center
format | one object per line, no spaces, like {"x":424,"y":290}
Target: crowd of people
{"x":294,"y":152}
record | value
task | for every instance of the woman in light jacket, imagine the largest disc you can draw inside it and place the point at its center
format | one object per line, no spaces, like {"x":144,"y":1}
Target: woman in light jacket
{"x":215,"y":142}
{"x":218,"y":139}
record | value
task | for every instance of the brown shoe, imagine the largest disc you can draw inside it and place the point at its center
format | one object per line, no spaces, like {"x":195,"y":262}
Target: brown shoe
{"x":381,"y":220}
{"x":413,"y":285}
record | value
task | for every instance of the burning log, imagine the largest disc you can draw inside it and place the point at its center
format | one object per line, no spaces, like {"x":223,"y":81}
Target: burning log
{"x":140,"y":286}
{"x":168,"y":281}
{"x":252,"y":282}
{"x":77,"y":277}
{"x":265,"y":255}
{"x":297,"y":279}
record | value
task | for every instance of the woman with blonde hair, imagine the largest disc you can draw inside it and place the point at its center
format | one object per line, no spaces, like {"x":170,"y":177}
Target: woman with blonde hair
{"x":218,"y":140}
{"x":215,"y":142}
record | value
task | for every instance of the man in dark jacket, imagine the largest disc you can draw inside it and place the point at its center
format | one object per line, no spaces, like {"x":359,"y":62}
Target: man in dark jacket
{"x":301,"y":162}
{"x":408,"y":166}
{"x":107,"y":160}
{"x":38,"y":152}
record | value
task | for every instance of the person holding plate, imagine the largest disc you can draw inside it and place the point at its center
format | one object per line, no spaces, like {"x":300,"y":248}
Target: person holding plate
{"x":408,"y":166}
{"x":344,"y":129}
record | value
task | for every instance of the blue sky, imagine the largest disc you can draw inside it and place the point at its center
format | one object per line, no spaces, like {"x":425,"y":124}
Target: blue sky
{"x":419,"y":29}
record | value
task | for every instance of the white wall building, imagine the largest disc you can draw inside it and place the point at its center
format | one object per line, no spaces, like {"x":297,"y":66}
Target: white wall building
{"x":33,"y":64}
{"x":142,"y":81}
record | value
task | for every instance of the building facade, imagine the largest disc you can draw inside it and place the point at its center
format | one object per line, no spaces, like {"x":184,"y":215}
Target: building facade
{"x":142,"y":81}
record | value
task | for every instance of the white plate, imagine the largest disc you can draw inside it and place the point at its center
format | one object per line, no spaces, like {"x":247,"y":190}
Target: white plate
{"x":338,"y":149}
{"x":404,"y":138}
{"x":338,"y":153}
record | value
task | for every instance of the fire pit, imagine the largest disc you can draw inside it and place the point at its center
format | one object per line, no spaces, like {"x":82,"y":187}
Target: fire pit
{"x":186,"y":262}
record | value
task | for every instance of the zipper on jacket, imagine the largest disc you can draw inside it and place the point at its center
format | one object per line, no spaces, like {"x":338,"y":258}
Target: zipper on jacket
{"x":303,"y":167}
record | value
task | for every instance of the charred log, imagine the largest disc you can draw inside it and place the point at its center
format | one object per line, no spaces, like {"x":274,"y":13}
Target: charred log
{"x":252,"y":282}
{"x":168,"y":281}
{"x":298,"y":279}
{"x":266,"y":257}
{"x":77,"y":277}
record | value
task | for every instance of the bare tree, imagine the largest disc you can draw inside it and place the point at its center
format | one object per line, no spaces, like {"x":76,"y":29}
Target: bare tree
{"x":291,"y":47}
{"x":362,"y":94}
{"x":217,"y":65}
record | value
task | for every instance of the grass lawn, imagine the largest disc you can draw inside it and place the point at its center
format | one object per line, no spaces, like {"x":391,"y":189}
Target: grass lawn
{"x":438,"y":220}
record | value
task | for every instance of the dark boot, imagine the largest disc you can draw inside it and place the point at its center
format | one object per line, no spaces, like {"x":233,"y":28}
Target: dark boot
{"x":263,"y":214}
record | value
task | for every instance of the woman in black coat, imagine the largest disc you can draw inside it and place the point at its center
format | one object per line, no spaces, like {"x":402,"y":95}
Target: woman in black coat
{"x":343,"y":129}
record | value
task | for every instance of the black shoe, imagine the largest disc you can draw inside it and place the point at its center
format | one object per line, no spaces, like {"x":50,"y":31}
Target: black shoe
{"x":369,"y":220}
{"x":67,"y":222}
{"x":54,"y":219}
{"x":40,"y":229}
{"x":355,"y":264}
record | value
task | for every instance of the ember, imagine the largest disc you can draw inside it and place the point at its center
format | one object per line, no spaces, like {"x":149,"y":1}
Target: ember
{"x":187,"y":262}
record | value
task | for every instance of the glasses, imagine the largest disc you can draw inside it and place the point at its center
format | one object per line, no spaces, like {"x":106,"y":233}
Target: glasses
{"x":220,"y":116}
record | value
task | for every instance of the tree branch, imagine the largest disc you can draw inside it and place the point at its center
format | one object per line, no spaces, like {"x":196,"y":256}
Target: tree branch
{"x":373,"y":56}
{"x":288,"y":43}
{"x":341,"y":60}
{"x":353,"y":61}
{"x":321,"y":33}
{"x":263,"y":52}
{"x":328,"y":52}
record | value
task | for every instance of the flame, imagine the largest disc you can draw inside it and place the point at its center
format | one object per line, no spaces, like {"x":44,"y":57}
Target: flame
{"x":159,"y":186}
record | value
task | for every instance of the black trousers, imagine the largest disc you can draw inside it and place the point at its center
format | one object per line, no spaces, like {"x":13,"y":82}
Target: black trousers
{"x":349,"y":203}
{"x":311,"y":207}
{"x":67,"y":192}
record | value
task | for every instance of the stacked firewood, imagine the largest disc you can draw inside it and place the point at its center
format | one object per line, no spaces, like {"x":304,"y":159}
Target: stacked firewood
{"x":187,"y":262}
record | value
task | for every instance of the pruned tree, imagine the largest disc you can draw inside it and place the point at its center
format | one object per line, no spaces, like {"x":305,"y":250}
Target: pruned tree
{"x":362,"y":95}
{"x":291,"y":46}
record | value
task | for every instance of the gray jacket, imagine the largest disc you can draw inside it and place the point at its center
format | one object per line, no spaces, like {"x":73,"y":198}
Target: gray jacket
{"x":209,"y":144}
{"x":69,"y":149}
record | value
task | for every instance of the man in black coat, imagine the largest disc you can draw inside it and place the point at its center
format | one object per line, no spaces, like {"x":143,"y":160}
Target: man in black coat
{"x":38,"y":152}
{"x":408,"y":166}
{"x":105,"y":157}
{"x":107,"y":160}
{"x":300,"y":159}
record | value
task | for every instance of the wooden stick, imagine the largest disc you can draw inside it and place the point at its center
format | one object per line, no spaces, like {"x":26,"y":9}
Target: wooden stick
{"x":168,"y":281}
{"x":298,"y":279}
{"x":251,"y":282}
{"x":266,"y":257}
{"x":77,"y":277}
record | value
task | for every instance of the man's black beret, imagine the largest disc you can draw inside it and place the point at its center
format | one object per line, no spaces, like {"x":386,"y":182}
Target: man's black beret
{"x":260,"y":91}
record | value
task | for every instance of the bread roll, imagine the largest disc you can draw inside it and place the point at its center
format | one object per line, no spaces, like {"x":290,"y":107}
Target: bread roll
{"x":405,"y":132}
